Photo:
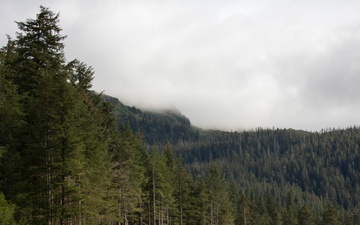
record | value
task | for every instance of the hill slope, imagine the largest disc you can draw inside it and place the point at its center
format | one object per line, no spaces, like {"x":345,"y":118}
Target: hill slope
{"x":323,"y":165}
{"x":158,"y":128}
{"x":313,"y":167}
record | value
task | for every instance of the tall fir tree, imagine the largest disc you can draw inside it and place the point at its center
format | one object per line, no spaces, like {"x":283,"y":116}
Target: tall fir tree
{"x":11,"y":123}
{"x":305,"y":216}
{"x":63,"y":147}
{"x":128,"y":177}
{"x":217,"y":202}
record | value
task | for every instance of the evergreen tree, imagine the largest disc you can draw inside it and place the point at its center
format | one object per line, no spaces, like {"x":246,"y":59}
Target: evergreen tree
{"x":11,"y":124}
{"x":182,"y":194}
{"x":7,"y":211}
{"x":63,"y":161}
{"x":129,"y":176}
{"x":245,"y":214}
{"x":330,"y":215}
{"x":289,"y":216}
{"x":50,"y":106}
{"x":162,"y":189}
{"x":99,"y":138}
{"x":217,"y":201}
{"x":305,"y":216}
{"x":63,"y":148}
{"x":39,"y":49}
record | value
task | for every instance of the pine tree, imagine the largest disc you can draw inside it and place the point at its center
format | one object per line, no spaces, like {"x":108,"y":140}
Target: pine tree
{"x":182,"y":194}
{"x":129,"y":176}
{"x":245,"y":214}
{"x":11,"y":124}
{"x":98,"y":135}
{"x":65,"y":140}
{"x":50,"y":107}
{"x":289,"y":212}
{"x":330,"y":215}
{"x":7,"y":211}
{"x":39,"y":49}
{"x":217,"y":201}
{"x":161,"y":189}
{"x":305,"y":216}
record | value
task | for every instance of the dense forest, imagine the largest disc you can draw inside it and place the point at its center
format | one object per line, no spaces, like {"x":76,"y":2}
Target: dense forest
{"x":158,"y":128}
{"x":309,"y":170}
{"x":69,"y":155}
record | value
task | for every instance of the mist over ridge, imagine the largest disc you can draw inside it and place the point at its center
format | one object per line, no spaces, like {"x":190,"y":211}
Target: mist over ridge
{"x":225,"y":64}
{"x":172,"y":110}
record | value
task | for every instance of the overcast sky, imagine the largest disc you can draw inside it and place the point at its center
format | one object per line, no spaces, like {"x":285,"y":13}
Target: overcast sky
{"x":224,"y":64}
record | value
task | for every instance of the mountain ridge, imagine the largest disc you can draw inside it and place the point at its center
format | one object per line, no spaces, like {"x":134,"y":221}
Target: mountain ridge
{"x":157,"y":126}
{"x":315,"y":167}
{"x":122,"y":110}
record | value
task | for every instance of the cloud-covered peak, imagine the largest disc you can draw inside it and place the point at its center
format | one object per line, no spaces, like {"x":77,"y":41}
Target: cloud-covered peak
{"x":224,"y":64}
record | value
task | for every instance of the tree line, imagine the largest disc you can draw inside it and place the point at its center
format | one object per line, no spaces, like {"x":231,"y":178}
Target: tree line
{"x":316,"y":170}
{"x":64,"y":159}
{"x":158,"y":128}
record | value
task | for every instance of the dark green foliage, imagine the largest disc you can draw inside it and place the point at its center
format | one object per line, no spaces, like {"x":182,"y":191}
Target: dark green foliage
{"x":330,"y":215}
{"x":216,"y":201}
{"x":158,"y":128}
{"x":311,"y":164}
{"x":305,"y":216}
{"x":67,"y":157}
{"x":162,"y":184}
{"x":186,"y":195}
{"x":55,"y":138}
{"x":11,"y":122}
{"x":7,"y":211}
{"x":129,"y":176}
{"x":314,"y":168}
{"x":39,"y":49}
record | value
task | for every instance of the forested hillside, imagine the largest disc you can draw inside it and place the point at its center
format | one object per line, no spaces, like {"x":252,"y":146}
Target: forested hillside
{"x":314,"y":168}
{"x":158,"y":128}
{"x":71,"y":156}
{"x":275,"y":166}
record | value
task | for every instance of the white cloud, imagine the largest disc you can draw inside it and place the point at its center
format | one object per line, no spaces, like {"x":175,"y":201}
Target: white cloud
{"x":225,"y":64}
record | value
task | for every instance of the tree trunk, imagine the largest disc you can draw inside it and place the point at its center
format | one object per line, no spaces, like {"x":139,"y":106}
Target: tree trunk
{"x":211,"y":213}
{"x":154,"y":210}
{"x":244,"y":216}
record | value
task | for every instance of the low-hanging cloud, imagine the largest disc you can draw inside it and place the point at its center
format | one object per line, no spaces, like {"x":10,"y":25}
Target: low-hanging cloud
{"x":224,"y":64}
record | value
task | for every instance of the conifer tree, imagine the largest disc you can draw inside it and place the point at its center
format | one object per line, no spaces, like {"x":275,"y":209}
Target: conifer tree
{"x":182,"y":193}
{"x":49,"y":104}
{"x":218,"y":204}
{"x":129,"y":176}
{"x":7,"y":211}
{"x":305,"y":216}
{"x":98,"y":137}
{"x":39,"y":48}
{"x":289,"y":212}
{"x":162,"y":188}
{"x":330,"y":215}
{"x":11,"y":123}
{"x":245,"y":215}
{"x":63,"y":148}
